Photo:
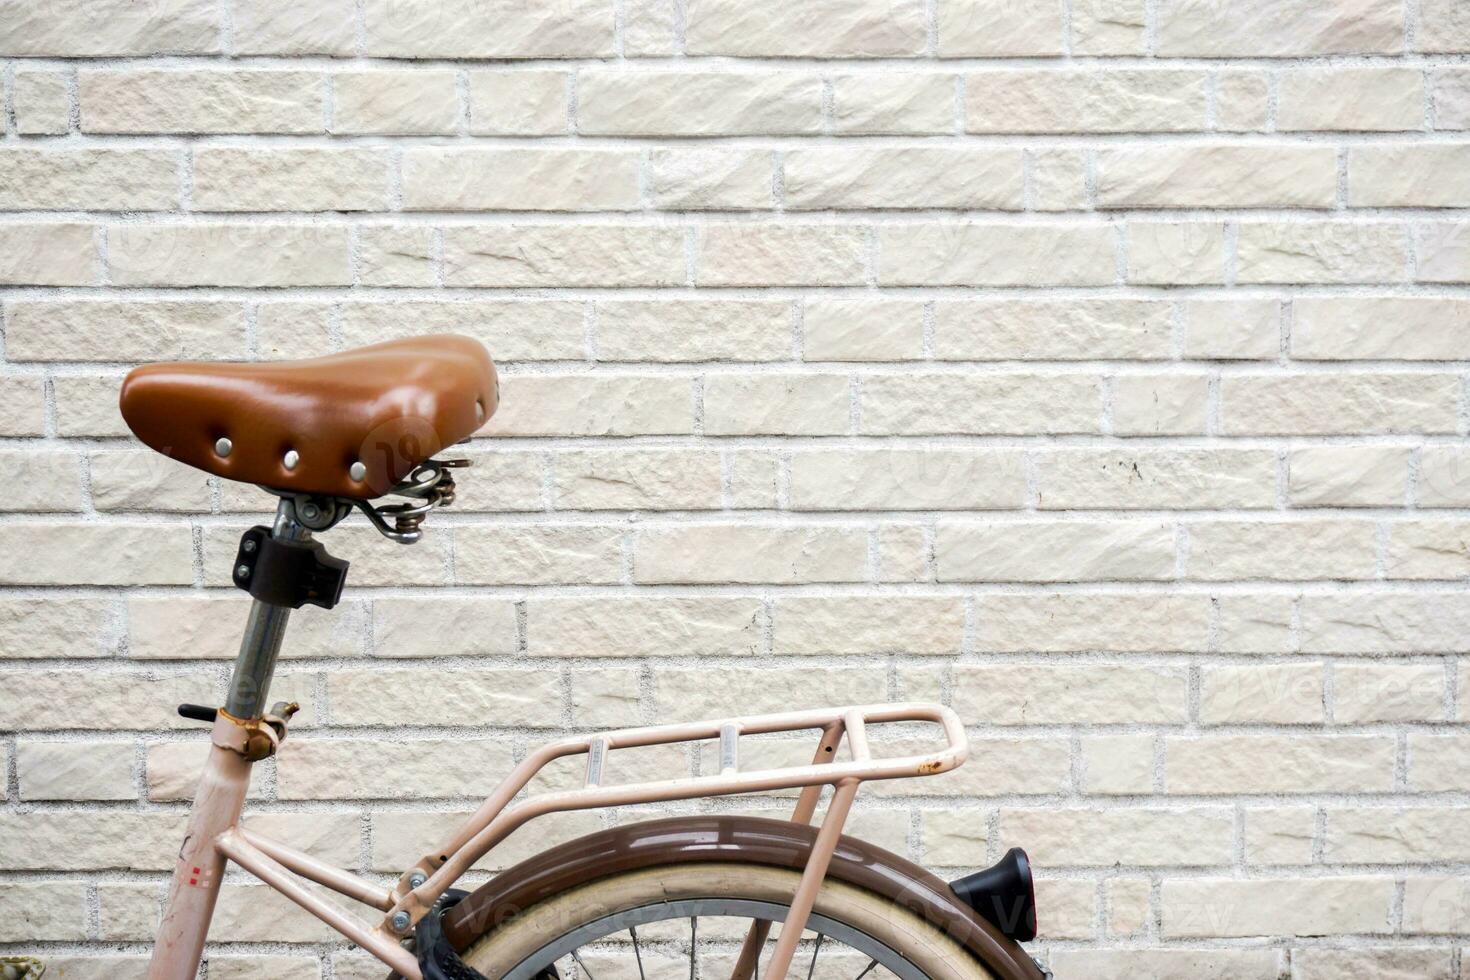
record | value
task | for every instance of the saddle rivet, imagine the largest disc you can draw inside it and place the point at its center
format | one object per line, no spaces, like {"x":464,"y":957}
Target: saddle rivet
{"x":291,"y":459}
{"x":357,"y":471}
{"x":223,"y":447}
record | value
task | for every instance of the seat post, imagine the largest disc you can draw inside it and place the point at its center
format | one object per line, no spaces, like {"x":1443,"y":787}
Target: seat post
{"x":264,"y":630}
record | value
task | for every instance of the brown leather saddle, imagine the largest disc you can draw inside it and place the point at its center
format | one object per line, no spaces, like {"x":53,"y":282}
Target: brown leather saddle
{"x":347,"y":425}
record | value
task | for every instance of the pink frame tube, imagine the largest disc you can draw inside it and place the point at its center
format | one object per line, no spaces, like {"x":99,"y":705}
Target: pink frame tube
{"x":214,"y":834}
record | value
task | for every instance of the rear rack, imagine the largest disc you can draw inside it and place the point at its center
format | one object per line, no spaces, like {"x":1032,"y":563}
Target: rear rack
{"x":421,"y":886}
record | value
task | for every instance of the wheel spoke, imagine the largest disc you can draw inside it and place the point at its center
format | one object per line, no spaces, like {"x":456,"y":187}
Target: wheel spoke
{"x":633,"y":931}
{"x":693,"y":942}
{"x":813,"y":967}
{"x":866,"y":969}
{"x":582,"y":965}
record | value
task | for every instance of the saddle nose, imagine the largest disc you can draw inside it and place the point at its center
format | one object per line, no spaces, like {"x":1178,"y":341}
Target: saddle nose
{"x":351,"y":425}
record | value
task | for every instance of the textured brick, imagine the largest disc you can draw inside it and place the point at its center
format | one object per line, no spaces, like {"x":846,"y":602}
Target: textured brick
{"x":996,"y":255}
{"x":389,"y":102}
{"x":820,"y":28}
{"x":1224,"y":764}
{"x":92,"y":179}
{"x":912,"y":103}
{"x":95,"y":554}
{"x":445,"y":179}
{"x":283,"y":27}
{"x":1232,"y":329}
{"x":1278,"y":28}
{"x":709,"y":693}
{"x":563,"y":255}
{"x":42,"y":101}
{"x":514,"y":330}
{"x":715,"y":179}
{"x":1280,"y":835}
{"x":1384,"y":623}
{"x":906,"y":480}
{"x":1276,"y":907}
{"x":208,"y":255}
{"x":1387,"y":963}
{"x":231,"y":179}
{"x":1348,"y":476}
{"x":537,"y":405}
{"x":902,"y":178}
{"x":1351,"y":99}
{"x":443,"y":627}
{"x":1118,"y":765}
{"x":777,"y":255}
{"x":41,"y":911}
{"x":672,"y":103}
{"x":1379,"y":328}
{"x":1054,"y":551}
{"x":110,"y":28}
{"x":1093,"y":694}
{"x":1242,"y":101}
{"x":1102,"y":838}
{"x":1444,"y":477}
{"x":907,"y":625}
{"x":793,"y":404}
{"x":47,"y":254}
{"x":1288,"y":694}
{"x":920,"y":404}
{"x":693,"y":330}
{"x":500,"y":697}
{"x":107,"y":330}
{"x":1168,"y":964}
{"x":1057,"y":623}
{"x":1408,"y":176}
{"x":202,"y":101}
{"x":46,"y":628}
{"x":646,"y":480}
{"x":494,"y":30}
{"x":1206,"y":176}
{"x":1175,"y":253}
{"x":510,"y":555}
{"x":997,"y":28}
{"x":1321,"y":252}
{"x":1304,"y":549}
{"x":1049,"y":329}
{"x":1081,"y":100}
{"x":1427,"y":550}
{"x":518,"y":103}
{"x":862,"y":330}
{"x":75,"y":770}
{"x":1152,"y":479}
{"x":750,"y":553}
{"x":1330,"y":404}
{"x":616,"y":627}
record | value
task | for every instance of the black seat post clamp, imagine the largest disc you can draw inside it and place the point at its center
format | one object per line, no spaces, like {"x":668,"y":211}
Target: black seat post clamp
{"x":288,"y":573}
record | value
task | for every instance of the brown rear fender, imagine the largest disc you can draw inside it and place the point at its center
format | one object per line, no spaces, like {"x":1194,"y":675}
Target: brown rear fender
{"x":749,"y":840}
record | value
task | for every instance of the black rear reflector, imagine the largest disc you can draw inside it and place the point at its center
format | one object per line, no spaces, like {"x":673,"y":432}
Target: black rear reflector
{"x":1003,"y":895}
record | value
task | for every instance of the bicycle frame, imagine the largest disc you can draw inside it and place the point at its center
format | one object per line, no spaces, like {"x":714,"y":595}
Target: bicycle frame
{"x":215,"y":836}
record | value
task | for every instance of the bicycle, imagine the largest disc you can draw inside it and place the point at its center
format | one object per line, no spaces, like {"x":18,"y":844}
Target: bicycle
{"x":335,"y":434}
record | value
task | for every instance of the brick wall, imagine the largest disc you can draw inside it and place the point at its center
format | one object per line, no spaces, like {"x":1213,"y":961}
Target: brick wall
{"x":1097,"y":367}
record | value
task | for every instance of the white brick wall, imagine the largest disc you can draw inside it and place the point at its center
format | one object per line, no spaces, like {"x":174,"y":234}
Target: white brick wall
{"x":1099,"y":367}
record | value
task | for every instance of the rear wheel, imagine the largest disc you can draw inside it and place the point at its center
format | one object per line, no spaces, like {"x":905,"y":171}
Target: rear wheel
{"x":690,"y":919}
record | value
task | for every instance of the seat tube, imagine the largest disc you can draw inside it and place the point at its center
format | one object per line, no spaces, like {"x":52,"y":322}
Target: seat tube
{"x":222,"y":788}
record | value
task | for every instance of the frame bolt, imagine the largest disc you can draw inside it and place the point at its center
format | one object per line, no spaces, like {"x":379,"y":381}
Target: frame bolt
{"x":310,"y":511}
{"x":416,"y":879}
{"x":242,"y":571}
{"x":400,"y":921}
{"x":249,"y":545}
